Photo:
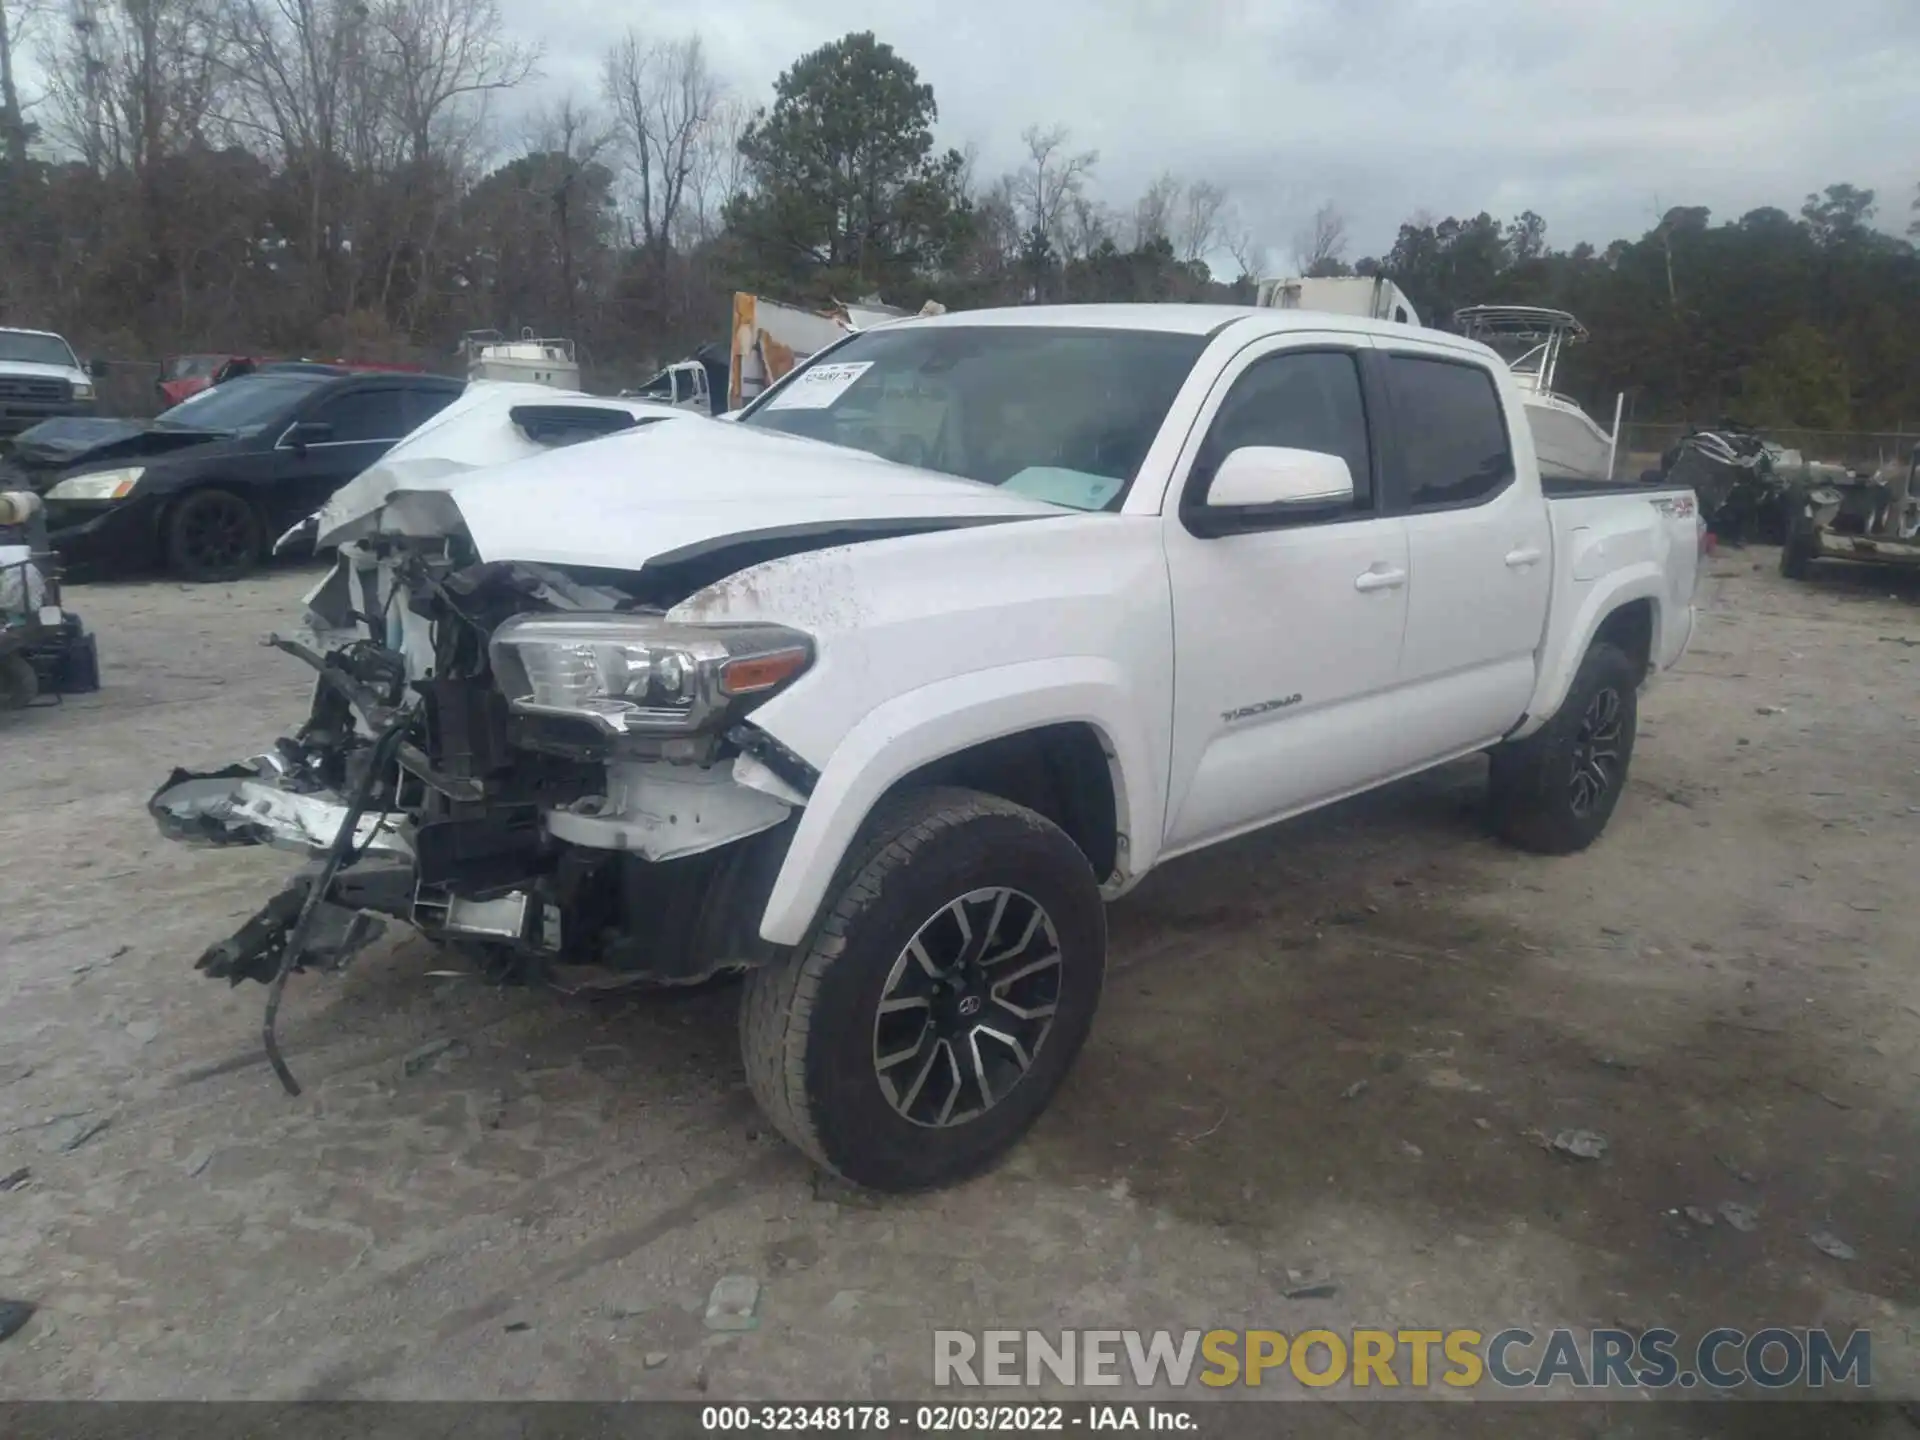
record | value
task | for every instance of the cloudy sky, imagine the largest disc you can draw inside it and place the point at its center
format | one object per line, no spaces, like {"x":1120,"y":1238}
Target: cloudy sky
{"x":1595,"y":113}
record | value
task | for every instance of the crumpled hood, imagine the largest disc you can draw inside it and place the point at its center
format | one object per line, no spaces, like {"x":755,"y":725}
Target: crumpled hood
{"x":668,"y":492}
{"x":475,"y":432}
{"x":71,"y":441}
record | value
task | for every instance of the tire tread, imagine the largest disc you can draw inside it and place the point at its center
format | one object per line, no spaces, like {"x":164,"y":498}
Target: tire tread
{"x":776,"y":1008}
{"x":1525,"y":782}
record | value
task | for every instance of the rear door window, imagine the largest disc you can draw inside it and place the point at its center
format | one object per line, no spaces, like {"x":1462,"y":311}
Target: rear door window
{"x":425,"y":402}
{"x":1453,"y":448}
{"x":362,"y":415}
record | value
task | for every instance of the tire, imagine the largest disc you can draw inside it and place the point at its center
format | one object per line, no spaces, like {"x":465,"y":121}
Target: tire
{"x":213,"y":535}
{"x":1553,"y":792}
{"x":849,"y":1086}
{"x":19,"y":685}
{"x":1796,"y":556}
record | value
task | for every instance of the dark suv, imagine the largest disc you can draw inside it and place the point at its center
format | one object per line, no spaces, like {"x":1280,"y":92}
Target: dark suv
{"x":204,"y":488}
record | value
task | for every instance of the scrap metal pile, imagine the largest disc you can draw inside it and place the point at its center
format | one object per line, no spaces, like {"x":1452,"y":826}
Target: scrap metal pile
{"x":1753,"y":488}
{"x":1741,"y":478}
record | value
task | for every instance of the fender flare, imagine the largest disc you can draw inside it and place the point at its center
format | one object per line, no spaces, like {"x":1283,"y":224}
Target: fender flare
{"x":941,"y":719}
{"x":1640,"y":581}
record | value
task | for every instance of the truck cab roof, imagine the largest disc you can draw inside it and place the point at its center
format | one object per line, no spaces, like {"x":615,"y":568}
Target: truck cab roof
{"x":1246,"y":321}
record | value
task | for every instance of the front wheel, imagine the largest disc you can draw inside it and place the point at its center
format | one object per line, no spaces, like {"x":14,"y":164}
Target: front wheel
{"x":213,"y":535}
{"x":1553,"y":792}
{"x":940,"y":999}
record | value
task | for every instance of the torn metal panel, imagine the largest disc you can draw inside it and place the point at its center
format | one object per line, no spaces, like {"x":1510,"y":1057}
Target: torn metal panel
{"x":236,"y":806}
{"x":664,"y":812}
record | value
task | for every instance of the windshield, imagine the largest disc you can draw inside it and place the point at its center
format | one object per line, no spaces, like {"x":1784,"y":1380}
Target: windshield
{"x":242,"y":405}
{"x":194,"y":367}
{"x":29,"y":349}
{"x":1062,"y":415}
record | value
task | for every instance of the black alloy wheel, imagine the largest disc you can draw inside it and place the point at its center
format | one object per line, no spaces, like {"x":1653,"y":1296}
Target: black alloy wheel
{"x":1596,"y":751}
{"x":213,"y":535}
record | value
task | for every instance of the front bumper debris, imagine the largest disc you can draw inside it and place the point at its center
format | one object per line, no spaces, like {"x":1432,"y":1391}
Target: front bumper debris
{"x":413,"y":794}
{"x":240,"y":805}
{"x":258,"y":949}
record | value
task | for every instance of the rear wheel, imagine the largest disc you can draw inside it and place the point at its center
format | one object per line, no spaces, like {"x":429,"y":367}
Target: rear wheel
{"x":19,"y":685}
{"x":1796,"y":556}
{"x":1554,"y":791}
{"x":941,"y":998}
{"x":213,"y":535}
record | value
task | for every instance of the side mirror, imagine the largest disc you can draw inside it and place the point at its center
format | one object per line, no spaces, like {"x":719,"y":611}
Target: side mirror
{"x":307,"y":432}
{"x":97,"y":369}
{"x":1262,"y":482}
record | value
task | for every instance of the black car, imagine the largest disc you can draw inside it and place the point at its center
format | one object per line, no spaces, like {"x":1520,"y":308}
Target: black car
{"x":204,"y":488}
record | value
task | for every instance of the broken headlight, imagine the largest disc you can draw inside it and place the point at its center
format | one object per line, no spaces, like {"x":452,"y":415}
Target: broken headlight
{"x":639,"y":673}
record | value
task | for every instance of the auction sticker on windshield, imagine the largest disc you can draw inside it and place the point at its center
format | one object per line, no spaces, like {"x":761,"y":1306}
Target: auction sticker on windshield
{"x":818,"y":388}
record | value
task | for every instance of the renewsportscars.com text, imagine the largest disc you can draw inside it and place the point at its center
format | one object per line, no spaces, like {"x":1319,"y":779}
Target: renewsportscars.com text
{"x":1361,"y":1359}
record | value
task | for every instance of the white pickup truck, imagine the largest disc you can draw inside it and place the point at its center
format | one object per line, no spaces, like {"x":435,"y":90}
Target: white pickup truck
{"x":876,"y":693}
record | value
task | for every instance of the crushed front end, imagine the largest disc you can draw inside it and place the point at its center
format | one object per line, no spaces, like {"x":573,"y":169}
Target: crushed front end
{"x":529,"y":760}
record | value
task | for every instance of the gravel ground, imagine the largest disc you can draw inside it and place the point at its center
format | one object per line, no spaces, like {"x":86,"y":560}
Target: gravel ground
{"x":1725,"y":987}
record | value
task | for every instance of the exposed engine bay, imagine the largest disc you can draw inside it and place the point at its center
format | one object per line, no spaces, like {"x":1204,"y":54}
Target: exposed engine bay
{"x":538,"y":661}
{"x":532,"y":762}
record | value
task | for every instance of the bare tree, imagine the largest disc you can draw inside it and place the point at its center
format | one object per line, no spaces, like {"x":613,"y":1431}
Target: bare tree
{"x":446,"y":57}
{"x":1153,"y":213}
{"x":1247,"y":250}
{"x":570,"y":138}
{"x":995,"y":246}
{"x":720,"y":171}
{"x":1086,"y":225}
{"x":1198,"y":230}
{"x":1323,"y":241}
{"x":132,"y":81}
{"x":1051,"y":180}
{"x":16,"y":25}
{"x":307,"y":70}
{"x":665,"y":102}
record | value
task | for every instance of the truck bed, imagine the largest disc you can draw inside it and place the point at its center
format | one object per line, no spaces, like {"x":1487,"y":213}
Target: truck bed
{"x":1566,"y":488}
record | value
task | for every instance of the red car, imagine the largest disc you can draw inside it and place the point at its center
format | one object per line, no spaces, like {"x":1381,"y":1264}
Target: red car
{"x":185,"y":375}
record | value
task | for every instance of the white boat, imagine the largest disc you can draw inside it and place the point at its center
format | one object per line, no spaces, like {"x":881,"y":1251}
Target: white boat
{"x":1571,"y":445}
{"x":531,"y":359}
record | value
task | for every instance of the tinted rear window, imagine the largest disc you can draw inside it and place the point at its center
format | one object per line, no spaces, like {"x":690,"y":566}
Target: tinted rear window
{"x":1452,"y":432}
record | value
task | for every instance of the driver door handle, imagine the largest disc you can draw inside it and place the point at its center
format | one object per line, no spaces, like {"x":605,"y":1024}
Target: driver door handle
{"x":1380,"y":580}
{"x":1526,"y":555}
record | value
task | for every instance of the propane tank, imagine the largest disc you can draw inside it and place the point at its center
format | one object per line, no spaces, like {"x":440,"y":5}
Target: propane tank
{"x":22,"y":514}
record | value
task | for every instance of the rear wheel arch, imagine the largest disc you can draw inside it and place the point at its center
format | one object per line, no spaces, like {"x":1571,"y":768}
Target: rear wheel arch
{"x":1631,"y":628}
{"x":1554,"y":791}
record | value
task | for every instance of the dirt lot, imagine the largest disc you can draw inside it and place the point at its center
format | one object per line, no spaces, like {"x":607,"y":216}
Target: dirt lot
{"x":1726,"y":987}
